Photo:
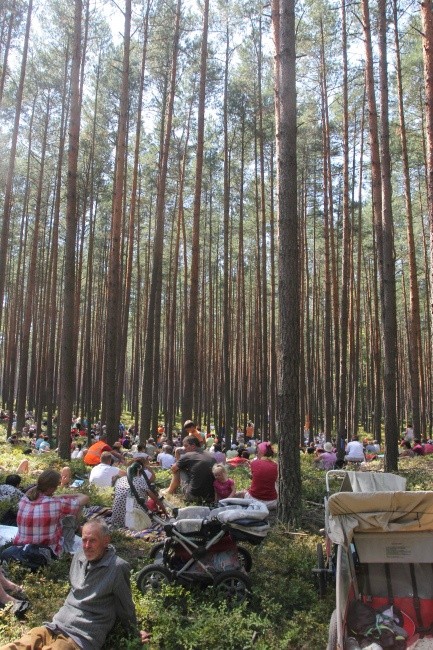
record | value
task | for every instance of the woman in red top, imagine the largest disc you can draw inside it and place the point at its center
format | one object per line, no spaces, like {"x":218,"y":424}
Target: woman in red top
{"x":264,"y":473}
{"x":241,"y":459}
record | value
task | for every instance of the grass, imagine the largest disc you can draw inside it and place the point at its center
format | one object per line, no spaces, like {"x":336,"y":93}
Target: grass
{"x":284,"y":613}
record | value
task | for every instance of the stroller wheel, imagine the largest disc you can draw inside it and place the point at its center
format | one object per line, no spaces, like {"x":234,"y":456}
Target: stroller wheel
{"x":233,"y":586}
{"x":245,"y":559}
{"x":153,"y":577}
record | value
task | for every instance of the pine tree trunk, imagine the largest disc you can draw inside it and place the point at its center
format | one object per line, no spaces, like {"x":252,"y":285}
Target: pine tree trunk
{"x":4,"y":240}
{"x":389,"y":307}
{"x":114,"y":284}
{"x":289,"y":504}
{"x":190,"y":350}
{"x":68,"y":356}
{"x":427,"y":30}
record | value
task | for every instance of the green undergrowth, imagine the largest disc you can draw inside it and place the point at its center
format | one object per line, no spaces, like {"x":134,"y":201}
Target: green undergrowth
{"x":284,"y":611}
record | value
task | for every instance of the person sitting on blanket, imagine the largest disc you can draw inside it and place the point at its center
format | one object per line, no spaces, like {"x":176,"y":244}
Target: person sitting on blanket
{"x":100,"y":593}
{"x":143,"y":487}
{"x":47,"y":520}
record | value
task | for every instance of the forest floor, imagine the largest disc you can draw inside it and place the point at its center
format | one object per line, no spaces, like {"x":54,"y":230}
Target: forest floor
{"x":284,"y":612}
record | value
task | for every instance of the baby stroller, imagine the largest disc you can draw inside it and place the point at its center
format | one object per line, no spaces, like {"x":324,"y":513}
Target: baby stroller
{"x":201,"y":546}
{"x":381,"y":536}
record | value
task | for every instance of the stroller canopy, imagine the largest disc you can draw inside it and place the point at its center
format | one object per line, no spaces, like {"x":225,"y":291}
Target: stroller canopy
{"x":375,"y":512}
{"x":373,"y":482}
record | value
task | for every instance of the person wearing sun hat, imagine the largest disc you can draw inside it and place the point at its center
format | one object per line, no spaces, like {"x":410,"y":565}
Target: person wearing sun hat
{"x":328,"y":457}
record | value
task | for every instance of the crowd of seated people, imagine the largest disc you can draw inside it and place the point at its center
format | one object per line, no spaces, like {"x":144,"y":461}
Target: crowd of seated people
{"x":415,"y":447}
{"x":357,"y":451}
{"x":49,"y":513}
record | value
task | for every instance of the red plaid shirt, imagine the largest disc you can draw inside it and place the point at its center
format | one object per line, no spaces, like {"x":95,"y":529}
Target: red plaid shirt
{"x":40,"y":521}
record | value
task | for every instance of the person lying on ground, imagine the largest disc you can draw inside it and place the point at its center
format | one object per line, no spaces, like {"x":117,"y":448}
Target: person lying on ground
{"x":100,"y":593}
{"x":428,"y":447}
{"x":242,"y":459}
{"x":417,"y":448}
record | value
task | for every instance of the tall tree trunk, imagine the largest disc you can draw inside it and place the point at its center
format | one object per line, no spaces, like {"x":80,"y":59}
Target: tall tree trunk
{"x":377,"y":205}
{"x":4,"y":67}
{"x":427,"y":26}
{"x":389,"y":306}
{"x":132,"y":220}
{"x":226,"y":374}
{"x":114,"y":301}
{"x":327,"y":329}
{"x":289,"y":481}
{"x":191,"y":324}
{"x":151,"y":373}
{"x":7,"y":207}
{"x":31,"y":290}
{"x":345,"y":279}
{"x":53,"y":300}
{"x":264,"y":374}
{"x":68,"y":355}
{"x":415,"y":368}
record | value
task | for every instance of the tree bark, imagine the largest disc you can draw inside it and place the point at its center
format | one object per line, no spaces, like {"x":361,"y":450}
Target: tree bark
{"x":289,"y":504}
{"x":68,"y":353}
{"x":191,"y":324}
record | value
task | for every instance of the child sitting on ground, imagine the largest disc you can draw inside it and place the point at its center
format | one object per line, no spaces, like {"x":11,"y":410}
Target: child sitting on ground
{"x":223,"y":485}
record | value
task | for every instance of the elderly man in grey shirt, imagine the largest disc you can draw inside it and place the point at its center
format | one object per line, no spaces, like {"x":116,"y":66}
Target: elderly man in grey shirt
{"x":100,"y":593}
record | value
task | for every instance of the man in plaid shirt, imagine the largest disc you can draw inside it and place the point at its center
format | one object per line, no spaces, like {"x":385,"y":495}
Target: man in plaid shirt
{"x":48,"y":520}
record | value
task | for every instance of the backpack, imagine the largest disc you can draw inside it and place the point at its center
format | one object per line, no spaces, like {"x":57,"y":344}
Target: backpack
{"x":365,"y":623}
{"x":31,"y":556}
